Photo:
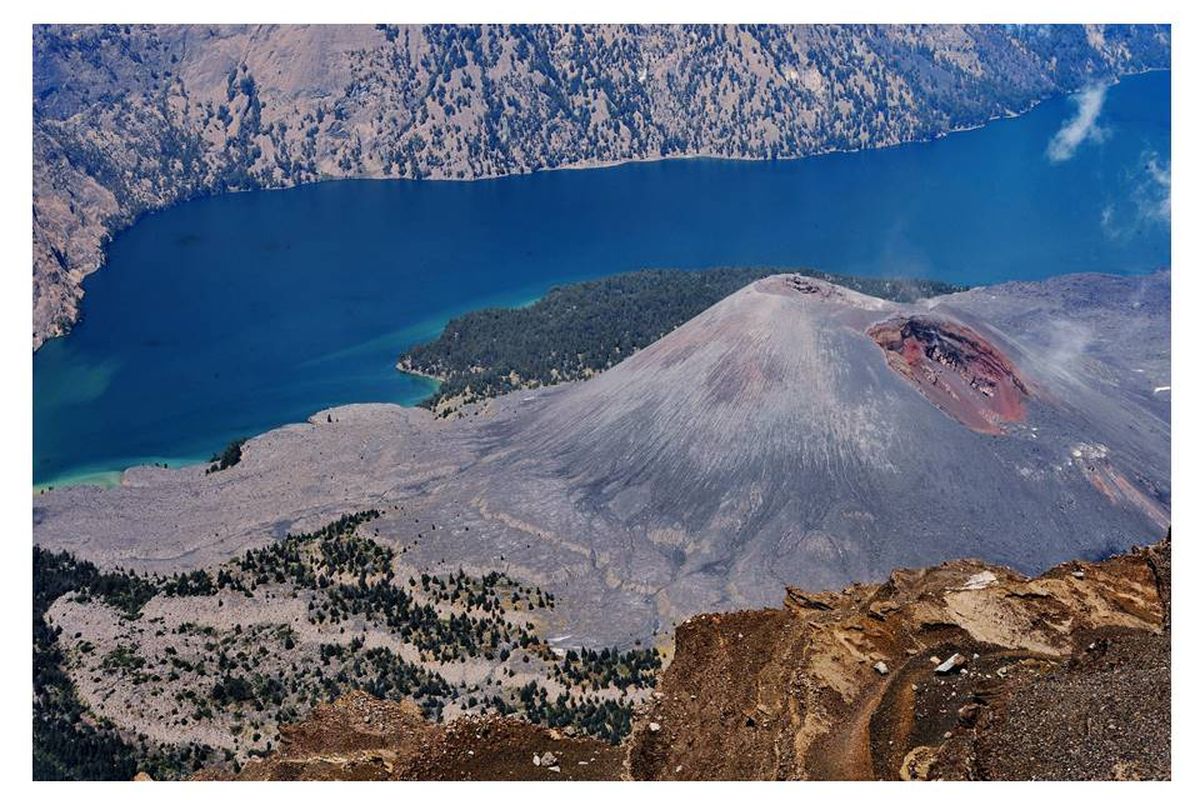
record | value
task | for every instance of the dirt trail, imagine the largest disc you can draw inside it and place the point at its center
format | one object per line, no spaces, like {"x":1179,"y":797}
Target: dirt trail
{"x":851,"y":677}
{"x":847,"y":750}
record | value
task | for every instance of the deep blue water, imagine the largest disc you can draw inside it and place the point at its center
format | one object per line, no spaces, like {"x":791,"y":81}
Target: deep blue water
{"x":231,"y":315}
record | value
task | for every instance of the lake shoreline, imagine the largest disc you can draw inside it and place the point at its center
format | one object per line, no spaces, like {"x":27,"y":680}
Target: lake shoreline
{"x":585,"y":165}
{"x":278,"y":304}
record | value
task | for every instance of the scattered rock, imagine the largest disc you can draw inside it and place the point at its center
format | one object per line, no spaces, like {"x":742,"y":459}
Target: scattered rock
{"x":917,"y":762}
{"x":954,"y":662}
{"x":801,"y":600}
{"x":881,"y":668}
{"x":1127,"y":771}
{"x":979,"y":580}
{"x":655,"y":727}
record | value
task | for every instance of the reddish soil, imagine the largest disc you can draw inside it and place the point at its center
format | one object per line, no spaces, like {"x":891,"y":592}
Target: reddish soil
{"x":956,"y":369}
{"x":359,"y":737}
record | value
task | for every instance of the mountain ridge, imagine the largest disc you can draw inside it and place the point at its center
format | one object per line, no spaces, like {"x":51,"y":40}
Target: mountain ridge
{"x":941,"y":672}
{"x":129,"y":119}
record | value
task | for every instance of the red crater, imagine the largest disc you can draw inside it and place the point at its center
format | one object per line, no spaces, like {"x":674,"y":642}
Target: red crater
{"x":956,"y":369}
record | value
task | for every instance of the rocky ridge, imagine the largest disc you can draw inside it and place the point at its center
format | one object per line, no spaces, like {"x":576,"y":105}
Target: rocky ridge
{"x":960,"y":671}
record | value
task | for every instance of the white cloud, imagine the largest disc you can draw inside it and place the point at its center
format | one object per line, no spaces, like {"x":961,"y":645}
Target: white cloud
{"x":1154,"y":195}
{"x":1106,"y":219}
{"x":1080,"y":128}
{"x":1146,"y":199}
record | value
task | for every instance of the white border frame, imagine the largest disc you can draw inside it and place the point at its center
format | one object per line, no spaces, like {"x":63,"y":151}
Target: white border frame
{"x":16,"y":323}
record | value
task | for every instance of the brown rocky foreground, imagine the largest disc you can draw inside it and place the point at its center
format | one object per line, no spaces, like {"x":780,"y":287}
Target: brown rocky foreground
{"x":961,"y":671}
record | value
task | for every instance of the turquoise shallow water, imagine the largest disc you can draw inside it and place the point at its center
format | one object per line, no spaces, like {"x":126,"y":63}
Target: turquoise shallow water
{"x":227,"y":316}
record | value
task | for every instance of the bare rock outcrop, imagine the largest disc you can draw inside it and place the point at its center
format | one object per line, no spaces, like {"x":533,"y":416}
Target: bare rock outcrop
{"x":359,"y":737}
{"x":1057,"y":677}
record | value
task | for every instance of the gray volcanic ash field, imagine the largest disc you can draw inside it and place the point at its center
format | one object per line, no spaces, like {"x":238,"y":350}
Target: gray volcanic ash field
{"x":794,"y":433}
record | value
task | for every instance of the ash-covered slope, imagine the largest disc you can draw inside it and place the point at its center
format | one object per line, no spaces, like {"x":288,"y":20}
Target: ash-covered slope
{"x":794,"y":433}
{"x":801,"y":433}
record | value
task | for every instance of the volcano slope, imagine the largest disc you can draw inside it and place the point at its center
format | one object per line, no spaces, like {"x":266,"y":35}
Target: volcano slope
{"x":795,"y":433}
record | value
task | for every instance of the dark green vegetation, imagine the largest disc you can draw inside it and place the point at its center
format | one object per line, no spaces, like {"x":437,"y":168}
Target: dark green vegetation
{"x":607,"y":719}
{"x":355,"y":580}
{"x":255,"y":676}
{"x":66,"y":745}
{"x":600,"y":669}
{"x":583,"y":328}
{"x":314,"y":560}
{"x":231,"y":455}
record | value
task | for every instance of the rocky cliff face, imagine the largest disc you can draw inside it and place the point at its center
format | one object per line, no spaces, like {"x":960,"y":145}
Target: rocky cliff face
{"x":129,"y":119}
{"x":960,"y":671}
